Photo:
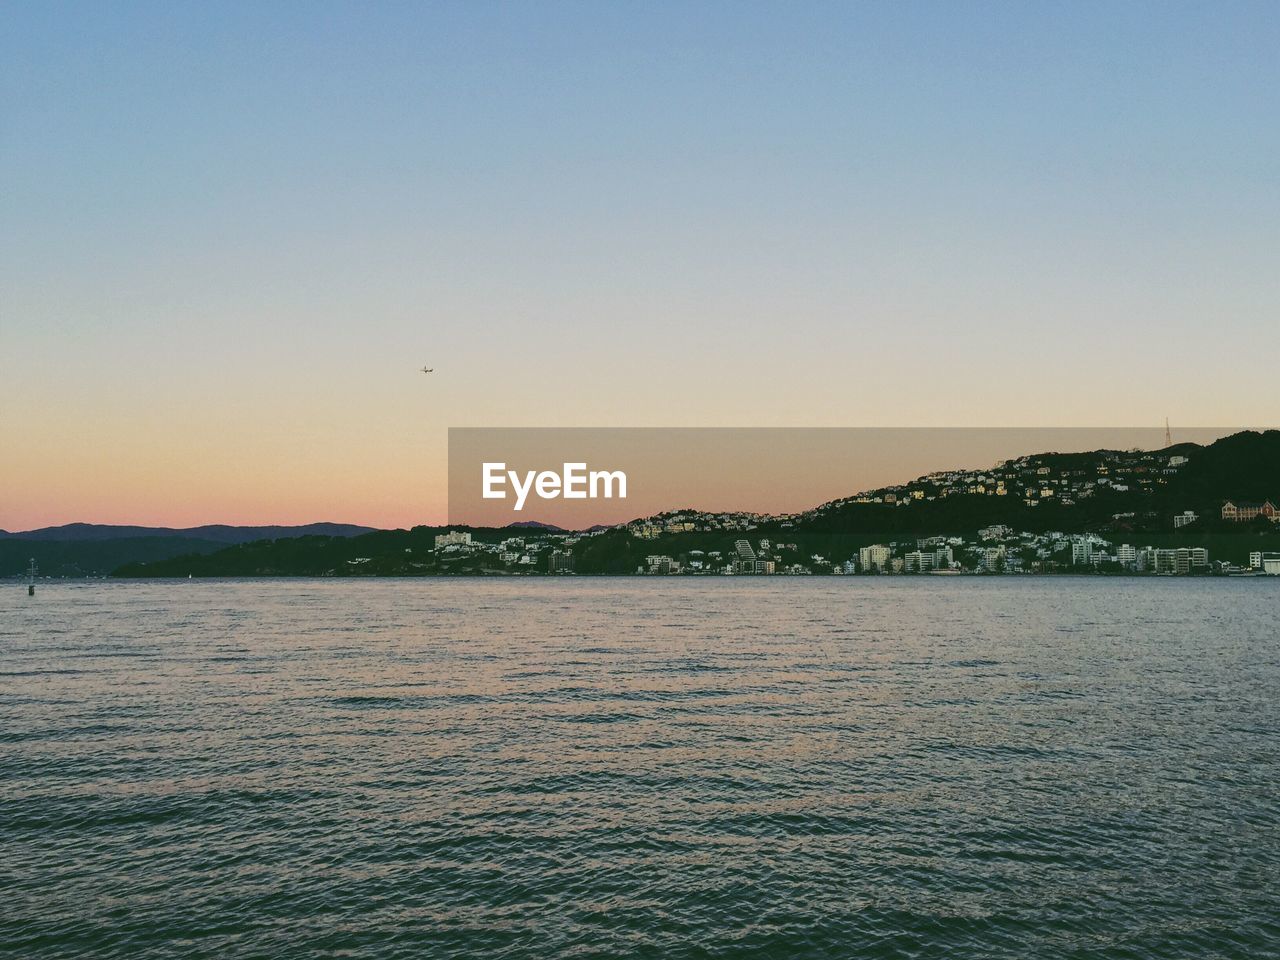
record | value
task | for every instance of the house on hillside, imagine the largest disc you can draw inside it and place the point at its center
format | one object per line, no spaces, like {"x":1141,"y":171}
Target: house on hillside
{"x":1239,"y":511}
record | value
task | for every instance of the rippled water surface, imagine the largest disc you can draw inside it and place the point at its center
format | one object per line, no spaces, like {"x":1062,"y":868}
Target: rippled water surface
{"x":879,"y":767}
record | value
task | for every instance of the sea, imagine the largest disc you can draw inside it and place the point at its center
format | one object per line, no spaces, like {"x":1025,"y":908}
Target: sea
{"x":898,"y":767}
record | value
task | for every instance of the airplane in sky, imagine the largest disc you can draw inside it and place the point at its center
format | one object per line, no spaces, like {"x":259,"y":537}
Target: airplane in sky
{"x":427,"y":369}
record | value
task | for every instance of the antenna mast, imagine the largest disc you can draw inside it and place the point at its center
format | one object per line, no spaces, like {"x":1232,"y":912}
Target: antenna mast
{"x":1168,"y":437}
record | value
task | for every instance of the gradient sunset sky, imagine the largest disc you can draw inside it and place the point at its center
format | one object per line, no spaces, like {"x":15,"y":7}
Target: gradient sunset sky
{"x":231,"y":233}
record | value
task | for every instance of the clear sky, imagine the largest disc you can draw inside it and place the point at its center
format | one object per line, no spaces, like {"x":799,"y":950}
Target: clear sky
{"x":231,"y":233}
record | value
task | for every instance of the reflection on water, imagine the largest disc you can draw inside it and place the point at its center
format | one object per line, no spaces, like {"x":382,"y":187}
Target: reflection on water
{"x":906,"y":767}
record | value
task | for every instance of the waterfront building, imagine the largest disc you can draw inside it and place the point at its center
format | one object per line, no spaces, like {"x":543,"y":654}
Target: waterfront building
{"x":1181,"y":560}
{"x":560,"y":561}
{"x":1266,"y":562}
{"x":1191,"y":559}
{"x":874,"y":557}
{"x":747,"y":561}
{"x":660,"y":563}
{"x":1081,"y":552}
{"x":917,"y":561}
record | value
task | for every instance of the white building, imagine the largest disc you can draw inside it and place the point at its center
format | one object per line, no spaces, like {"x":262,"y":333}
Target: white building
{"x":993,"y":559}
{"x":874,"y":557}
{"x":1268,"y":563}
{"x":917,"y":561}
{"x":1081,"y":552}
{"x":662,"y":564}
{"x":1192,"y":558}
{"x":1181,"y":560}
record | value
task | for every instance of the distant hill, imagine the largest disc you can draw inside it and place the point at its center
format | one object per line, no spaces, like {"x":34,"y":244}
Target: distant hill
{"x":380,"y":553}
{"x":214,"y":532}
{"x":93,"y":558}
{"x":91,"y":549}
{"x":536,"y":526}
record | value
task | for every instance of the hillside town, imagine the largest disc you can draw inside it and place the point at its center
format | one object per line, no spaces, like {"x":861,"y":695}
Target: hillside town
{"x":1065,"y":479}
{"x":994,"y":550}
{"x":698,"y":543}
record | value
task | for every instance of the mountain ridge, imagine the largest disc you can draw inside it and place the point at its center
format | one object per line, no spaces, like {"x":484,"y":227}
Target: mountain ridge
{"x":214,"y":532}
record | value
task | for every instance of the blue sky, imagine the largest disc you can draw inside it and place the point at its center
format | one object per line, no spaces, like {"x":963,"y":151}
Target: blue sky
{"x":247,"y":224}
